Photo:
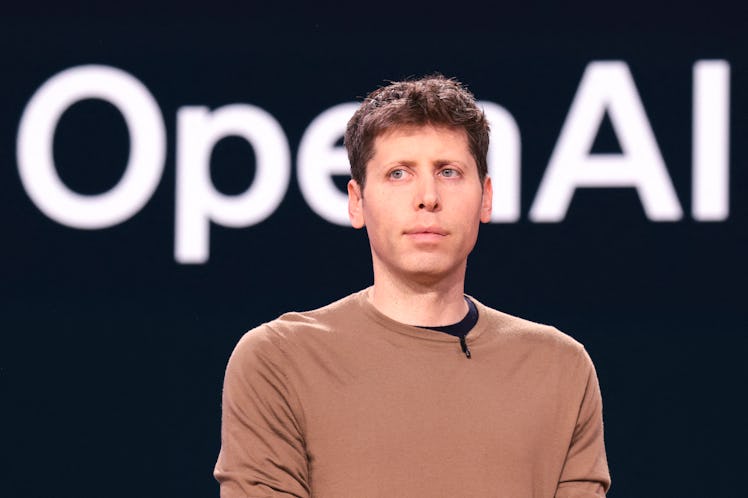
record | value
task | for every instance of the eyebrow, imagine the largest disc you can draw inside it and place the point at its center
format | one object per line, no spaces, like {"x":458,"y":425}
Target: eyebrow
{"x":437,"y":162}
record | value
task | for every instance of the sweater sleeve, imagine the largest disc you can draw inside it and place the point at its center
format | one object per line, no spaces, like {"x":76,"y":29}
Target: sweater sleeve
{"x":262,"y":446}
{"x":585,"y":473}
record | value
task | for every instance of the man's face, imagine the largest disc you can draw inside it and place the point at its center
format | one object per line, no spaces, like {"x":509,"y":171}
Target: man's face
{"x":422,"y":204}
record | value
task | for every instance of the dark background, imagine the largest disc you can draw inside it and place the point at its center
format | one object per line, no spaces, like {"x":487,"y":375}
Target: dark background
{"x":112,"y":354}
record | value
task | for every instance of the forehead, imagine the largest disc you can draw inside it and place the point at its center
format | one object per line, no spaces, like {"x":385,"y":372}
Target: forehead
{"x":437,"y":139}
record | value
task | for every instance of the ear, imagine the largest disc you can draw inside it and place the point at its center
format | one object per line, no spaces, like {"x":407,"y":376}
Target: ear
{"x":487,"y":201}
{"x":355,"y":204}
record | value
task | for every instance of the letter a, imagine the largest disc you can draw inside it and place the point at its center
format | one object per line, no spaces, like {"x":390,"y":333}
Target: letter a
{"x":606,"y":86}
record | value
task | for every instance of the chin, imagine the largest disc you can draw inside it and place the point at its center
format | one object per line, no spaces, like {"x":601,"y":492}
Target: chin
{"x":425,"y":274}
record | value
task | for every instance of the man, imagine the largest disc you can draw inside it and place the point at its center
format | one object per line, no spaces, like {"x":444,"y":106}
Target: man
{"x":410,"y":388}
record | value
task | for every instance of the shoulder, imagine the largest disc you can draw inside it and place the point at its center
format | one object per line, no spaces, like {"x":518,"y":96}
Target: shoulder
{"x":288,"y":331}
{"x":542,"y":339}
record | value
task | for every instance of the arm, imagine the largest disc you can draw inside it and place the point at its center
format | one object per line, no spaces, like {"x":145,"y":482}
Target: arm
{"x":262,"y":446}
{"x":585,"y":473}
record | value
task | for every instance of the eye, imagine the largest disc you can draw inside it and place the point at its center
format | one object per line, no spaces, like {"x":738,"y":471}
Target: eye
{"x":449,"y":172}
{"x":397,"y":174}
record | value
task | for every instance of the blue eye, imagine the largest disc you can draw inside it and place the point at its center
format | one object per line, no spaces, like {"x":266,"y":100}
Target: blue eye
{"x":448,"y":172}
{"x":397,"y":174}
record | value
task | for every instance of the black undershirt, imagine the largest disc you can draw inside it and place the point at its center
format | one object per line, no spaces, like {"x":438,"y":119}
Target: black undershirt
{"x":461,"y":328}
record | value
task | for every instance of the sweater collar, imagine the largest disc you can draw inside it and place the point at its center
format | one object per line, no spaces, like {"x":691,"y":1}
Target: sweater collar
{"x":363,"y":300}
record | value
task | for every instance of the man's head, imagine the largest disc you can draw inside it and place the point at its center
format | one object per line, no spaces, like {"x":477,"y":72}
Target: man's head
{"x":419,"y":148}
{"x":430,"y":101}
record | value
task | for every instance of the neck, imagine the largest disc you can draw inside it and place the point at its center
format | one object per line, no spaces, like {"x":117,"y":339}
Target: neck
{"x":420,"y":303}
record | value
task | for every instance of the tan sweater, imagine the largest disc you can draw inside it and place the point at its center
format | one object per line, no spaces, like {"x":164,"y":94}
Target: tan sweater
{"x":345,"y":402}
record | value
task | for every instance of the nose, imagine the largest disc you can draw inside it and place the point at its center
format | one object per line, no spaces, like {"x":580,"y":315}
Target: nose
{"x":428,"y":195}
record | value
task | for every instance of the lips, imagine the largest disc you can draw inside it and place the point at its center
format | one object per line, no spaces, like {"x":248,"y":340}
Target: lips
{"x":426,"y":231}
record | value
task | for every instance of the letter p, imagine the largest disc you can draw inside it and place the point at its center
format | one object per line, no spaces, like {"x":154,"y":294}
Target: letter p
{"x":197,"y":200}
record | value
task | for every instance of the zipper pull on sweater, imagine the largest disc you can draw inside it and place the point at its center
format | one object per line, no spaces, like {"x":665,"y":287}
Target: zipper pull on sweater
{"x":464,"y":346}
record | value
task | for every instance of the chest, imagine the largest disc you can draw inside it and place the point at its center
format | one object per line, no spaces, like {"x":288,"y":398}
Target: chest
{"x":410,"y":417}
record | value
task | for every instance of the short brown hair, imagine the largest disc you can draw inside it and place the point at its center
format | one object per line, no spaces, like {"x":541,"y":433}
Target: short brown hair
{"x":432,"y":100}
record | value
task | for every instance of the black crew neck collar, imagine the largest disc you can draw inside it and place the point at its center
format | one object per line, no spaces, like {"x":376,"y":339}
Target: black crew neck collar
{"x":461,"y":328}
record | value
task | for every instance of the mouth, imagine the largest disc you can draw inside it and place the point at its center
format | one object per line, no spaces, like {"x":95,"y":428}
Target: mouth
{"x":426,"y":232}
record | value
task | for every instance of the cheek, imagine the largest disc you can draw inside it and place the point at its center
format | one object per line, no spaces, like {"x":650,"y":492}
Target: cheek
{"x":375,"y":221}
{"x":381,"y":208}
{"x":472,"y":210}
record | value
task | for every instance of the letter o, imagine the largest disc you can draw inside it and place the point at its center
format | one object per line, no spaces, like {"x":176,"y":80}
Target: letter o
{"x":147,"y":153}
